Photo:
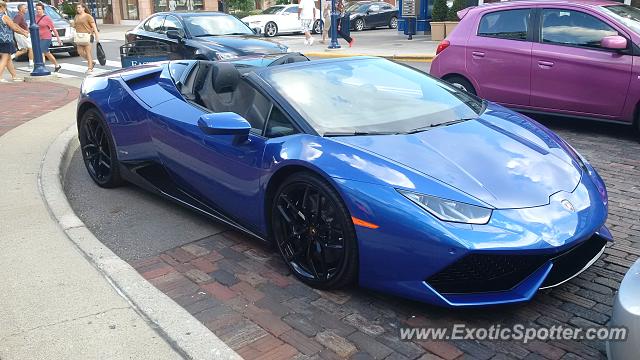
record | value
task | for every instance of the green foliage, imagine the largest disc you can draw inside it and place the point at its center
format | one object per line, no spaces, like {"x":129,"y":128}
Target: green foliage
{"x":240,"y":5}
{"x":68,"y":8}
{"x":453,"y":11}
{"x":440,"y":10}
{"x":283,"y":2}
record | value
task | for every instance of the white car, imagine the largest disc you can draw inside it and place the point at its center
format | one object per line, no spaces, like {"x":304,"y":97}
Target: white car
{"x":281,"y":19}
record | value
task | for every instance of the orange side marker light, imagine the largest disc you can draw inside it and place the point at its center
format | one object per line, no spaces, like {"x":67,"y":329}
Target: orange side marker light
{"x":363,"y":223}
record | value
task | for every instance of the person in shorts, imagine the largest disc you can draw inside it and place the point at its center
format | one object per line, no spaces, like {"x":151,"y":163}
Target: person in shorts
{"x":84,"y":23}
{"x":46,"y":27}
{"x":307,"y":16}
{"x":23,"y":42}
{"x":7,"y":48}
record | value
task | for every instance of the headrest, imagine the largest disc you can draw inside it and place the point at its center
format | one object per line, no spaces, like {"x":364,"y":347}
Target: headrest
{"x":225,"y":77}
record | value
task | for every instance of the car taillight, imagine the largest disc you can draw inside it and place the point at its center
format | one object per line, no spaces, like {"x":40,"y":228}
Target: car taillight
{"x":443,"y":45}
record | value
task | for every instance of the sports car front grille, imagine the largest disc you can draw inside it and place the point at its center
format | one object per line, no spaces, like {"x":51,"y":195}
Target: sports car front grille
{"x":480,"y":273}
{"x":485,"y":273}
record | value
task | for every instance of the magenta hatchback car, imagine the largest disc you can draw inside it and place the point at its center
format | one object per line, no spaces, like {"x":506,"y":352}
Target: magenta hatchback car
{"x":575,"y":58}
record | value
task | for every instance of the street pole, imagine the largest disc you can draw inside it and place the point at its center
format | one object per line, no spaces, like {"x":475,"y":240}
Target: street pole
{"x":334,"y":26}
{"x":38,"y":62}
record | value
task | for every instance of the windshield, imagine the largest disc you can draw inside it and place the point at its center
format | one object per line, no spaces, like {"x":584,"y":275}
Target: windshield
{"x":370,"y":96}
{"x":273,"y":10}
{"x":625,"y":14}
{"x":216,"y":25}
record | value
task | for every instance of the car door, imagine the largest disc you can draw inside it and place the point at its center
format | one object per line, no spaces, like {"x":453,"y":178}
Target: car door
{"x":571,"y":72}
{"x":290,"y":21}
{"x":498,"y":56}
{"x":374,"y":16}
{"x":217,"y":170}
{"x":179,"y":49}
{"x":387,"y":13}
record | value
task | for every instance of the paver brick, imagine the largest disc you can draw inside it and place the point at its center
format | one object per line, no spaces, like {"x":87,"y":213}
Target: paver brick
{"x":364,"y":325}
{"x":336,"y":343}
{"x":269,"y":322}
{"x":546,"y":350}
{"x":247,"y":291}
{"x":301,"y":342}
{"x":218,"y":291}
{"x":195,"y":250}
{"x":302,"y":324}
{"x":198,"y":276}
{"x":224,"y":277}
{"x":204,"y":265}
{"x":180,"y":255}
{"x":406,"y":348}
{"x":370,"y":345}
{"x":443,"y":349}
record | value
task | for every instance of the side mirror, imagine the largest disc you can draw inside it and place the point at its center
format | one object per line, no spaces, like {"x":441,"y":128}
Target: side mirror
{"x":614,"y":42}
{"x":174,"y":34}
{"x":225,"y":123}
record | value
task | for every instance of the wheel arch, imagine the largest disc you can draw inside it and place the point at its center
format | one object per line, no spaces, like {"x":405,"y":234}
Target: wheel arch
{"x":83,"y":108}
{"x":470,"y":80}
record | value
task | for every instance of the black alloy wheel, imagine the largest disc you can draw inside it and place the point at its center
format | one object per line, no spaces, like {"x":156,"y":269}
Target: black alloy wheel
{"x":98,"y":151}
{"x":314,"y":233}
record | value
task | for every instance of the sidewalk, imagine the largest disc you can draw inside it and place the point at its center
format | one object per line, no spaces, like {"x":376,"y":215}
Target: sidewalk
{"x":61,"y":300}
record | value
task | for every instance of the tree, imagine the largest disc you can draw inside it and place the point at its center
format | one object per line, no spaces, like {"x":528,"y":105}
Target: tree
{"x":439,"y":12}
{"x":240,"y":5}
{"x":453,"y":11}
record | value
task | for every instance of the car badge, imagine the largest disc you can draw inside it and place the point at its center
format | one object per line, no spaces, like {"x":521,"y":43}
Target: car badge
{"x":568,"y":205}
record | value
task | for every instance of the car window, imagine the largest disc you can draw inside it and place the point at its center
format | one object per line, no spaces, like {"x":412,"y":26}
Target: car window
{"x":293,"y":9}
{"x":374,"y":8}
{"x":154,"y":24}
{"x":506,"y":24}
{"x":54,"y":15}
{"x":278,"y":124}
{"x":215,"y":25}
{"x":387,"y":7}
{"x":273,"y":10}
{"x":625,"y":14}
{"x":172,"y":23}
{"x":573,"y":28}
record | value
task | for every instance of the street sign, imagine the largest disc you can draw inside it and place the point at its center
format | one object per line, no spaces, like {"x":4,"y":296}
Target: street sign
{"x":408,"y":8}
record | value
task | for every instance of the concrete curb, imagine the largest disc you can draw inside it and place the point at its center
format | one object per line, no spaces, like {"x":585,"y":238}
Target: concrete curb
{"x":398,"y":57}
{"x":179,"y":328}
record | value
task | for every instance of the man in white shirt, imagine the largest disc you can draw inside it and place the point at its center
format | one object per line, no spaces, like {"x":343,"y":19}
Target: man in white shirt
{"x":307,"y":16}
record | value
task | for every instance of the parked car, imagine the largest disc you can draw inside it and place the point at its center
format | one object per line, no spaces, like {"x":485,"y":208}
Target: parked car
{"x":372,"y":14}
{"x":626,"y":313}
{"x":65,"y":30}
{"x":281,"y":19}
{"x":203,"y":35}
{"x":575,"y":58}
{"x":347,"y":167}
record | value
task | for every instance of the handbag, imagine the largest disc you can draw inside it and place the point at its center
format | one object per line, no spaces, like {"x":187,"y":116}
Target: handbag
{"x":82,"y":38}
{"x":102,"y":58}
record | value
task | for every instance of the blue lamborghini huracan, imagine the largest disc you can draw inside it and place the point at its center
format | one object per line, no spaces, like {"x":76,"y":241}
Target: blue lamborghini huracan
{"x":359,"y":170}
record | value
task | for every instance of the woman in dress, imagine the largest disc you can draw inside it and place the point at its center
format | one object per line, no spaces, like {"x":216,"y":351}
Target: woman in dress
{"x":84,"y":23}
{"x":46,"y":27}
{"x":7,"y":47}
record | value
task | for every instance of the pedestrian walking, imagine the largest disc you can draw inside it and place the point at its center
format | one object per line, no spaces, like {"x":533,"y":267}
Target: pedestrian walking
{"x":326,"y":20}
{"x":172,"y":5}
{"x":342,"y":23}
{"x":86,"y":33}
{"x":7,"y":48}
{"x":307,"y":16}
{"x":23,"y":42}
{"x":46,"y":27}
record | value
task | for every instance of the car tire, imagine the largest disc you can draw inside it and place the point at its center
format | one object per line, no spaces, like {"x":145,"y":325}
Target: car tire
{"x":393,"y":23}
{"x":98,"y":150}
{"x":317,"y":27}
{"x":358,"y":25}
{"x":270,"y":29}
{"x":314,"y":233}
{"x":74,"y":53}
{"x":461,"y":83}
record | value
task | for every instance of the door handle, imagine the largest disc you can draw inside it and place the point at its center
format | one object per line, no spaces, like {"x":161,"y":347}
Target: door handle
{"x":477,"y":54}
{"x":545,"y":64}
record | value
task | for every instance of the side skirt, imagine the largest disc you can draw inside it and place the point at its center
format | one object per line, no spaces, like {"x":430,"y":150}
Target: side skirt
{"x":154,"y":178}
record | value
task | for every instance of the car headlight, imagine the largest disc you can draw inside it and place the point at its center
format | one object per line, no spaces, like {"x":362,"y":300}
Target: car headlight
{"x":449,"y":210}
{"x":225,"y":56}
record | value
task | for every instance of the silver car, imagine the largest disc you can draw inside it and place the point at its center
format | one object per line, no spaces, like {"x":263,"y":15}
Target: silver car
{"x":63,"y":26}
{"x":626,"y":313}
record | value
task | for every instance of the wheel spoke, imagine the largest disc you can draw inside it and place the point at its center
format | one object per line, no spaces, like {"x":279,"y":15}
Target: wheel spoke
{"x":293,"y":207}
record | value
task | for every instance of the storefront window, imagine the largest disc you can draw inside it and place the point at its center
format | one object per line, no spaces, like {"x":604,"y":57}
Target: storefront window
{"x":129,"y":9}
{"x":189,"y":5}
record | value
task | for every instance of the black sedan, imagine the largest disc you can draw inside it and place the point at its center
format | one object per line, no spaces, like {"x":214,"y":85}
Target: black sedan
{"x":372,"y":14}
{"x":203,"y":36}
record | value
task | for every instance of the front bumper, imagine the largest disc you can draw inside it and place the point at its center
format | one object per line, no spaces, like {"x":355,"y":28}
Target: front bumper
{"x":414,"y":255}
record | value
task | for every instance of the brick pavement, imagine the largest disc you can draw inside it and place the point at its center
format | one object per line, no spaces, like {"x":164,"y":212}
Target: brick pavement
{"x":243,"y":292}
{"x":43,"y":97}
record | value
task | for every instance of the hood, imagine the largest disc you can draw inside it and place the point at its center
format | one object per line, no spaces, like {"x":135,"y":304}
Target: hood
{"x":501,"y":158}
{"x":242,"y":45}
{"x":254,"y":18}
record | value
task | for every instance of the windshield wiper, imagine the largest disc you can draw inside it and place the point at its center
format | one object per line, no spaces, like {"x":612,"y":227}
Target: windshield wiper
{"x":203,"y":35}
{"x":446,"y":123}
{"x":237,"y":33}
{"x":358,"y":133}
